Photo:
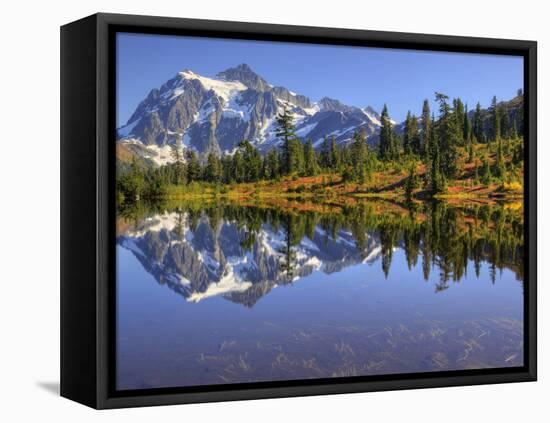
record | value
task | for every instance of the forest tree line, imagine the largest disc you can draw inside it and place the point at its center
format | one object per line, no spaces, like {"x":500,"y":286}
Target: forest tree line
{"x":439,"y":143}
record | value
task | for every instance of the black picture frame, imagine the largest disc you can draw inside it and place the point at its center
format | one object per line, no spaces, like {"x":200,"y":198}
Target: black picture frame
{"x":88,"y":207}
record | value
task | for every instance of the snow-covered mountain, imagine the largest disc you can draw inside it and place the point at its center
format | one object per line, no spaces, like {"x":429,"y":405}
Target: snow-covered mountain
{"x":215,"y":114}
{"x":210,"y":260}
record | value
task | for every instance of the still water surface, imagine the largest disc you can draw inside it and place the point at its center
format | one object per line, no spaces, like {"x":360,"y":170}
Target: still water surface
{"x":218,"y":293}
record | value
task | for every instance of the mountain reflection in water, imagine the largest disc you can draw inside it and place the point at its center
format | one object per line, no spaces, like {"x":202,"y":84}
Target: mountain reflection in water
{"x":362,"y":291}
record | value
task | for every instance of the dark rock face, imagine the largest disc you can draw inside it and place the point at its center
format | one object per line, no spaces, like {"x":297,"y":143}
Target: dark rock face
{"x":340,"y":124}
{"x":295,"y":99}
{"x":244,"y":74}
{"x":159,"y":115}
{"x":330,"y":104}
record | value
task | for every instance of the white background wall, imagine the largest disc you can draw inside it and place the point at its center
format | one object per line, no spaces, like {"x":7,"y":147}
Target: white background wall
{"x":29,"y":195}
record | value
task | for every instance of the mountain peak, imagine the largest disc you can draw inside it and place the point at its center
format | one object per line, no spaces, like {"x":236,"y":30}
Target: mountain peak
{"x":332,"y":104}
{"x":244,"y":67}
{"x":186,"y":73}
{"x":371,"y":111}
{"x":244,"y":74}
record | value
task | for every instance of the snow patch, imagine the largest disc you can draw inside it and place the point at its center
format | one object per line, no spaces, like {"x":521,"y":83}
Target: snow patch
{"x":160,"y":155}
{"x":307,"y":243}
{"x":231,"y":281}
{"x":223,"y":89}
{"x":340,"y":132}
{"x":312,"y":110}
{"x":205,"y":111}
{"x":314,"y":262}
{"x":372,"y":118}
{"x":267,"y":131}
{"x":304,"y":130}
{"x":227,"y":284}
{"x":373,"y":255}
{"x":236,"y":110}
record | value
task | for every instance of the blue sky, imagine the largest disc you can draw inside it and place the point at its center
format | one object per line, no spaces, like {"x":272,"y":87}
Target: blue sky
{"x":356,"y":76}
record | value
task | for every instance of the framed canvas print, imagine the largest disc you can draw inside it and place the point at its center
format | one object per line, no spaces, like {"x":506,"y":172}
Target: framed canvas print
{"x":254,"y":211}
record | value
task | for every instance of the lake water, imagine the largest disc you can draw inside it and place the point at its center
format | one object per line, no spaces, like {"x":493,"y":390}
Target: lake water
{"x":218,"y":293}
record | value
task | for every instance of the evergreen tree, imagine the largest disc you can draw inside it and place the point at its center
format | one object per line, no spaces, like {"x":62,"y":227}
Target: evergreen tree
{"x":131,"y":184}
{"x":227,"y":169}
{"x":459,"y":113}
{"x":285,"y":130}
{"x":193,"y":166}
{"x":252,"y":161}
{"x":478,"y":123}
{"x":448,"y":137}
{"x":485,"y":170}
{"x":325,"y":154}
{"x":431,"y":149}
{"x":271,"y":165}
{"x":334,"y":156}
{"x":386,"y":136}
{"x":514,"y":130}
{"x":411,"y":183}
{"x":437,"y":179}
{"x":416,"y":141}
{"x":359,"y":157}
{"x":517,"y":153}
{"x":519,"y":121}
{"x":504,"y":122}
{"x":466,"y":129}
{"x":495,"y":116}
{"x":346,"y":155}
{"x":370,"y":163}
{"x":394,"y":145}
{"x":238,"y":167}
{"x":476,"y":173}
{"x":411,"y":137}
{"x":426,"y":127}
{"x":391,"y":140}
{"x":311,"y":167}
{"x":471,"y":152}
{"x":213,"y":171}
{"x":295,"y":162}
{"x":407,"y":135}
{"x":500,"y":167}
{"x":347,"y":174}
{"x":177,"y":157}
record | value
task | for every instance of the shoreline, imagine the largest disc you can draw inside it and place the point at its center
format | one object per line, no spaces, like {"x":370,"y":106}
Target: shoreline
{"x":332,"y":196}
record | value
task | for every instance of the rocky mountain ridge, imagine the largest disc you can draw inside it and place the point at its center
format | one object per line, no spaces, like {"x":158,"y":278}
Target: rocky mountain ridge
{"x":215,"y":114}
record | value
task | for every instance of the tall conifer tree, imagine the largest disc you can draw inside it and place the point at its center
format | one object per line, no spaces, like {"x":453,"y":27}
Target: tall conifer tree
{"x":310,"y":160}
{"x":285,"y":130}
{"x":466,"y":129}
{"x":385,"y":144}
{"x":407,"y":135}
{"x":495,"y":116}
{"x":426,"y":127}
{"x":478,"y":123}
{"x":193,"y":166}
{"x":334,"y":154}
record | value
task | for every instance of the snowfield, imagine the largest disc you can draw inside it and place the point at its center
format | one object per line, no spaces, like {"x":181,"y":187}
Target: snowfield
{"x":223,"y":89}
